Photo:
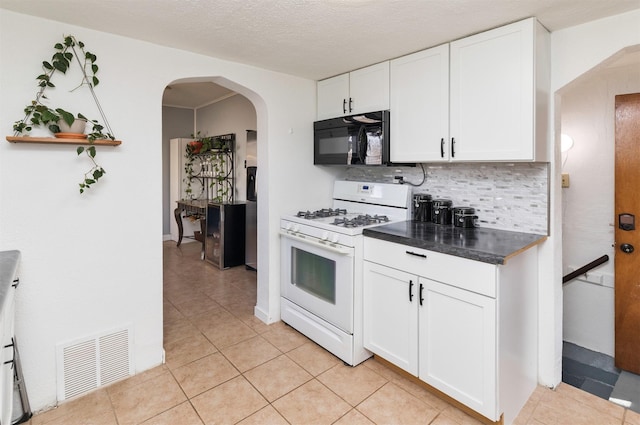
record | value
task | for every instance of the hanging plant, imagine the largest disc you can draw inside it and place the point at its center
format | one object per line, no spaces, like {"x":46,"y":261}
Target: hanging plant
{"x":38,"y":114}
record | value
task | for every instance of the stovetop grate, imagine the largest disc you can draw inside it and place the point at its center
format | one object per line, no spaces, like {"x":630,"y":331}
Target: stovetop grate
{"x":361,"y":220}
{"x":322,"y":213}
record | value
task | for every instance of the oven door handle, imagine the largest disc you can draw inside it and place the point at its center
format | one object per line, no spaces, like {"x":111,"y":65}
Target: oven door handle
{"x":314,"y":241}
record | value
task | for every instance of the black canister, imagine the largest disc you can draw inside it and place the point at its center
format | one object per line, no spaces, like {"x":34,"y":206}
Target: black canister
{"x":464,"y":217}
{"x":441,"y":211}
{"x":422,"y":207}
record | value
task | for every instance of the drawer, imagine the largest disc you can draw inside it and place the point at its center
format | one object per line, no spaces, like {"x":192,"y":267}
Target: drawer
{"x":463,"y":273}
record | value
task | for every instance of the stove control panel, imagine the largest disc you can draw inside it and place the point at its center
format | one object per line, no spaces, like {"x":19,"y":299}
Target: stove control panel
{"x":322,"y":235}
{"x":293,"y":227}
{"x":364,"y":188}
{"x":331,"y":237}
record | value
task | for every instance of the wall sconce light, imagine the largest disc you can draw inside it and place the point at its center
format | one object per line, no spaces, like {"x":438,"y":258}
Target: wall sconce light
{"x":566,"y":143}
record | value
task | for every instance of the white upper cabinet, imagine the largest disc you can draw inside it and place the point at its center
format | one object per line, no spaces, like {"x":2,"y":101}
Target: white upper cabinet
{"x":499,"y":94}
{"x":360,"y":91}
{"x":333,"y":97}
{"x":419,"y":103}
{"x":481,"y":98}
{"x":369,"y":89}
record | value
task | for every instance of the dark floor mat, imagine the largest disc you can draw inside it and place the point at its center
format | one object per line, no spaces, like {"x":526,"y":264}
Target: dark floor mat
{"x":588,"y":370}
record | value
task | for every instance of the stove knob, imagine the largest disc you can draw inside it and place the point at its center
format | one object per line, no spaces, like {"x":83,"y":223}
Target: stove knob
{"x":334,"y":238}
{"x":325,"y":236}
{"x":295,"y":228}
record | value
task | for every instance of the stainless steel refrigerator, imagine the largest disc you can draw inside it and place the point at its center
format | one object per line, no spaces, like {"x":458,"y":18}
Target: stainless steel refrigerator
{"x":251,"y":235}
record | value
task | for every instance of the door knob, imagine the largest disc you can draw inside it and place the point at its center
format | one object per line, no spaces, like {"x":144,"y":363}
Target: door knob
{"x":627,"y":248}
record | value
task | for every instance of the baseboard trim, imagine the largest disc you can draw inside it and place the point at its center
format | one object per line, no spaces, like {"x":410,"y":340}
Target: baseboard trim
{"x":438,"y":393}
{"x":263,"y":315}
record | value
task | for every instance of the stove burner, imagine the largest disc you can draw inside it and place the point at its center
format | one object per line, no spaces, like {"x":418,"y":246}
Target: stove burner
{"x":361,"y":220}
{"x":325,"y":212}
{"x":330,"y":212}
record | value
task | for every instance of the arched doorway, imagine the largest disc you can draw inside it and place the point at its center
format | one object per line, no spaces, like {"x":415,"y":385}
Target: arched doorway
{"x":214,"y":106}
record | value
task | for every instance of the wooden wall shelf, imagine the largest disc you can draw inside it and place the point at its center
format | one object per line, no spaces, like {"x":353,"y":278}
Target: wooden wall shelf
{"x":61,"y":141}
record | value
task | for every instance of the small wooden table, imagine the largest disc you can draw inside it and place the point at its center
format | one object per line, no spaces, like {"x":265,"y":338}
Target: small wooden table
{"x":192,"y":208}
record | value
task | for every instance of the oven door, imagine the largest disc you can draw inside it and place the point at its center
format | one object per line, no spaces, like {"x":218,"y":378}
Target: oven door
{"x":318,"y":276}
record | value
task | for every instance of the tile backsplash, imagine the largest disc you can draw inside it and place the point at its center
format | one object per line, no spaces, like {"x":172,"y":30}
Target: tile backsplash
{"x":506,"y":196}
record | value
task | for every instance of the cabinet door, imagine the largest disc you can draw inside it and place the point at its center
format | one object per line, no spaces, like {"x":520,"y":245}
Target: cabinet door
{"x":369,"y":89}
{"x":6,"y":357}
{"x":492,"y":94}
{"x":6,"y":371}
{"x":420,"y":104}
{"x":333,"y":97}
{"x":391,"y":315}
{"x":458,"y":345}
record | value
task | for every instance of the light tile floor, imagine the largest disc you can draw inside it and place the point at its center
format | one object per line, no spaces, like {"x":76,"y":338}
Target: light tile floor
{"x":224,"y":366}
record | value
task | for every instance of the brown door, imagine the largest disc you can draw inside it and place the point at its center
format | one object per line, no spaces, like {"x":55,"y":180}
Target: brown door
{"x":627,"y":254}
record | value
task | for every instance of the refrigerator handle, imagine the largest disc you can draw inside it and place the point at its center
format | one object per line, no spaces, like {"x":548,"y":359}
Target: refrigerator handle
{"x":252,"y":184}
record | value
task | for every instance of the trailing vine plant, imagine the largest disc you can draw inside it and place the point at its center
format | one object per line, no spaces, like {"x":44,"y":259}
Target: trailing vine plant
{"x":211,"y":152}
{"x":39,"y":114}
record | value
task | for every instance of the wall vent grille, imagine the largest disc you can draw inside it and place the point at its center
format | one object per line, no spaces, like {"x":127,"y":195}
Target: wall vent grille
{"x":88,"y":363}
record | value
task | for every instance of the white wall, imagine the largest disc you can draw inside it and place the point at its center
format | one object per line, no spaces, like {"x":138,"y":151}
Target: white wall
{"x":588,"y":115}
{"x":93,"y":262}
{"x":574,"y":51}
{"x":176,"y":122}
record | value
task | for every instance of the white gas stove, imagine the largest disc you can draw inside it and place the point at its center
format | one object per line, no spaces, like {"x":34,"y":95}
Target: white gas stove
{"x":356,"y":206}
{"x":321,"y":263}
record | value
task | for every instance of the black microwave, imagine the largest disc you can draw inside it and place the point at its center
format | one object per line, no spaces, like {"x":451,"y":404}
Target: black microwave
{"x":361,"y":139}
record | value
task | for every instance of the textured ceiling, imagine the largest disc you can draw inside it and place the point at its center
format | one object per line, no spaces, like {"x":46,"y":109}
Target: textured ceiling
{"x":194,"y":95}
{"x":314,"y":39}
{"x":310,"y":38}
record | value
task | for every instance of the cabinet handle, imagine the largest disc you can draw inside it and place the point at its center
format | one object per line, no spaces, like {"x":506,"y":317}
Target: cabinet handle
{"x":16,"y":282}
{"x":416,"y":254}
{"x":344,"y":106}
{"x":411,"y":291}
{"x":453,"y":147}
{"x":421,"y":297}
{"x":10,"y":345}
{"x":350,"y":104}
{"x":442,"y":148}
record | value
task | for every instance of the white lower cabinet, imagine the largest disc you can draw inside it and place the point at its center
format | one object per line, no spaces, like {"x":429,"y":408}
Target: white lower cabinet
{"x":6,"y":362}
{"x":419,"y":101}
{"x":457,"y":345}
{"x":466,"y":328}
{"x":7,"y":311}
{"x":391,"y":315}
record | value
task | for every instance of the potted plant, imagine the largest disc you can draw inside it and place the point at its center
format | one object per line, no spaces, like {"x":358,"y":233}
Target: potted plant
{"x":60,"y":122}
{"x":38,"y":114}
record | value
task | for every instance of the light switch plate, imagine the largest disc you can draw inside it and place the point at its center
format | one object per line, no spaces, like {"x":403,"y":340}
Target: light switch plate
{"x":565,"y":180}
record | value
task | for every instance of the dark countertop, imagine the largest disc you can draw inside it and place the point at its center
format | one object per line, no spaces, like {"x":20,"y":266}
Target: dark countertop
{"x":480,"y":244}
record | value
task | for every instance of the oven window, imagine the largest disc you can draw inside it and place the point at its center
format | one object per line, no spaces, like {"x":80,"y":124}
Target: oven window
{"x":314,"y":274}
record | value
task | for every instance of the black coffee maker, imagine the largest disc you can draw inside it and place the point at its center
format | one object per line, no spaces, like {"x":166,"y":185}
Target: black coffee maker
{"x":422,"y":207}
